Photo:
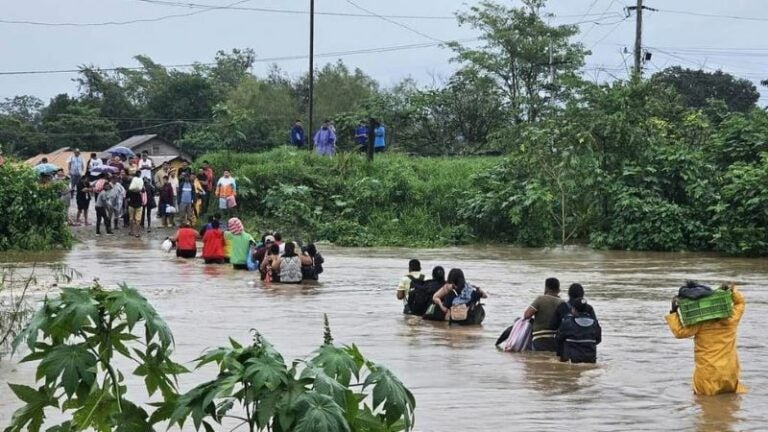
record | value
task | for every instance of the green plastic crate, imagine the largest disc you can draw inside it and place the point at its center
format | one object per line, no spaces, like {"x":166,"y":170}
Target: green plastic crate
{"x":718,"y":305}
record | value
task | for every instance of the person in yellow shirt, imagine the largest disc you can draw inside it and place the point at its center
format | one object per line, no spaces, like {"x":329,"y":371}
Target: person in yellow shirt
{"x":717,"y":362}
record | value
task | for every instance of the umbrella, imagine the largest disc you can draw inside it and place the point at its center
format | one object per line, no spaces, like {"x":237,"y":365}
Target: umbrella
{"x":45,"y":168}
{"x":122,"y":151}
{"x":104,"y":169}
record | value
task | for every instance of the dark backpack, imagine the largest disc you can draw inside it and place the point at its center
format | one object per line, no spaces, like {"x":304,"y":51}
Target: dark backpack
{"x":419,"y":296}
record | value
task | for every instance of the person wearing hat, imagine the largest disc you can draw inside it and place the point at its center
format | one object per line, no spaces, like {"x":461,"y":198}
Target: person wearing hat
{"x":239,"y":242}
{"x":76,"y":167}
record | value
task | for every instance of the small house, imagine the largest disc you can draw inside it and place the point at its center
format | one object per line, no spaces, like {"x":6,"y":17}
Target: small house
{"x":158,"y":149}
{"x":60,"y":157}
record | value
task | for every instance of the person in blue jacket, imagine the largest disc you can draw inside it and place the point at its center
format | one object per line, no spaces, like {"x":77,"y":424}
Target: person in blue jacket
{"x":297,"y":135}
{"x":361,"y":136}
{"x":380,"y":140}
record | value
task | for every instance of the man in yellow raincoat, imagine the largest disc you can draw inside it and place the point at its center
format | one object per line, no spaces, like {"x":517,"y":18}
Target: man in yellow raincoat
{"x":717,"y":362}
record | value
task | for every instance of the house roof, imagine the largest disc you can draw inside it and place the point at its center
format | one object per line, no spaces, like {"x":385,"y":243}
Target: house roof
{"x":59,"y":157}
{"x":134,"y":141}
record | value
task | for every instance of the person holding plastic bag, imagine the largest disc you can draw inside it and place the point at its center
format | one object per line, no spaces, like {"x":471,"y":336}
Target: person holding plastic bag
{"x":717,"y":361}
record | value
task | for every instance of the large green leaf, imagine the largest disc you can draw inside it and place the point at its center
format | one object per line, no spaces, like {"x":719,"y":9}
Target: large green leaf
{"x":397,"y":401}
{"x":319,"y":413}
{"x":131,"y":419}
{"x":337,"y":363}
{"x":265,"y":372}
{"x":30,"y":417}
{"x":136,"y":307}
{"x":326,"y":384}
{"x":38,"y":322}
{"x":95,"y":411}
{"x":78,"y":309}
{"x":73,"y":363}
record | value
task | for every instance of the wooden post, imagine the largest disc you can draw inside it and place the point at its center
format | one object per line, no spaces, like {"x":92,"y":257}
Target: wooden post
{"x":371,"y":137}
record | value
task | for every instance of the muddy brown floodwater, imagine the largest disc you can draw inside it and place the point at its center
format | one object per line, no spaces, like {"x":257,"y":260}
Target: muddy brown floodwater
{"x":461,"y":382}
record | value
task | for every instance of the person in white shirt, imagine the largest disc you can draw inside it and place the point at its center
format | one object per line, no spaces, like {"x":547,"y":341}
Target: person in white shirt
{"x":146,"y":166}
{"x":76,"y":167}
{"x":93,"y":162}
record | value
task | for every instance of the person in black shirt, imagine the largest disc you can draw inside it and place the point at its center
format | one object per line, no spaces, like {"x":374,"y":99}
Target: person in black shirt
{"x":575,"y":293}
{"x":579,"y":334}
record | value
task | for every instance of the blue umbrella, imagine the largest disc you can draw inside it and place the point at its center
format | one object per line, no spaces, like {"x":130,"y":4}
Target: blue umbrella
{"x":45,"y":168}
{"x":122,"y":151}
{"x":104,"y":169}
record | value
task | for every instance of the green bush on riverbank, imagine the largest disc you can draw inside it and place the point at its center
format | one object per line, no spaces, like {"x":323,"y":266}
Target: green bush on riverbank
{"x":396,"y":201}
{"x":665,"y":193}
{"x":32,"y":216}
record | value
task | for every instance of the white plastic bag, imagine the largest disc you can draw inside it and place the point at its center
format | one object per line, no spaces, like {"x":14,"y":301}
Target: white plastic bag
{"x":167,"y":245}
{"x":171,"y":210}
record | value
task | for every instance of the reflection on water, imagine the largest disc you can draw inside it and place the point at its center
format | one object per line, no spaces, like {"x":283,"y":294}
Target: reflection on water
{"x":718,"y":413}
{"x":642,"y":380}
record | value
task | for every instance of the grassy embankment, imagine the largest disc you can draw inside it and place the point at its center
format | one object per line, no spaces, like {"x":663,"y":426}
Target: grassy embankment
{"x":396,"y":201}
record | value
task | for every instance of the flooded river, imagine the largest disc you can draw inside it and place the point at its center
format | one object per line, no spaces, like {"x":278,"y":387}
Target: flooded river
{"x":461,"y":382}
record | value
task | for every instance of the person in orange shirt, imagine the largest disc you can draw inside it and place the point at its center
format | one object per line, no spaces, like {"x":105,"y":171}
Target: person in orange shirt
{"x":717,"y":361}
{"x":186,"y":241}
{"x":213,"y":244}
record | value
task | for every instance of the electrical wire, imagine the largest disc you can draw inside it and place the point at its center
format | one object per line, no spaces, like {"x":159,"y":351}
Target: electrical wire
{"x":121,"y":23}
{"x":391,"y":21}
{"x":257,"y":60}
{"x":708,"y":15}
{"x":594,"y":24}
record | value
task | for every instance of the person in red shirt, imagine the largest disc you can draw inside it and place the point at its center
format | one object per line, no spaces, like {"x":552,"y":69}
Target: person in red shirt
{"x":186,"y":241}
{"x":213,"y":244}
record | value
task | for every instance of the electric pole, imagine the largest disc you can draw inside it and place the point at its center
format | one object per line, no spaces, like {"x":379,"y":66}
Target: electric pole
{"x":311,"y":73}
{"x":638,"y":68}
{"x":639,"y":39}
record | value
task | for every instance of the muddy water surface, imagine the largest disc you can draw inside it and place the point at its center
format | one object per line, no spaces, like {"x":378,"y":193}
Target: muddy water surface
{"x":642,"y":380}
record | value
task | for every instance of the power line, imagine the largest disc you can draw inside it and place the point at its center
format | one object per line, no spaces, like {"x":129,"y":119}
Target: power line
{"x":120,"y":23}
{"x":294,"y":11}
{"x":258,"y":60}
{"x":708,"y":15}
{"x":391,"y":21}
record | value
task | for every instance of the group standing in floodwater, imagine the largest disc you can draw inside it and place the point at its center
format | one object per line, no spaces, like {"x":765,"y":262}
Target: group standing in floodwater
{"x":570,"y":329}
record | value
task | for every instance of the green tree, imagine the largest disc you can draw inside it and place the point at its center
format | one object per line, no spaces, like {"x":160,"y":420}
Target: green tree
{"x":19,"y":126}
{"x":520,"y":49}
{"x":79,"y":126}
{"x":698,"y":87}
{"x":76,"y":337}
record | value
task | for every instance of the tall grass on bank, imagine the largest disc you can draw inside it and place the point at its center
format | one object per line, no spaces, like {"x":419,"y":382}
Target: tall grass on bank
{"x":395,"y":201}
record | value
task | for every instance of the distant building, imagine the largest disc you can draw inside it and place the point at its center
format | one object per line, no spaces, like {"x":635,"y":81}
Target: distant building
{"x":60,"y":157}
{"x":159,"y":149}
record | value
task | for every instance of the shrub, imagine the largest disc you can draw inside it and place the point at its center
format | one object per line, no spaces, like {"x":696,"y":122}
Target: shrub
{"x":33,"y":216}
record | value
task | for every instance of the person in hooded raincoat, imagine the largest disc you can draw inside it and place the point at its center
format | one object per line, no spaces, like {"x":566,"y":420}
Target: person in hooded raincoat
{"x":717,"y":362}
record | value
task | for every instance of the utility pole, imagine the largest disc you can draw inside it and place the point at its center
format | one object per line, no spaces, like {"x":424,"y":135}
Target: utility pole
{"x":638,"y":39}
{"x":551,"y":73}
{"x":311,"y":73}
{"x":638,"y":68}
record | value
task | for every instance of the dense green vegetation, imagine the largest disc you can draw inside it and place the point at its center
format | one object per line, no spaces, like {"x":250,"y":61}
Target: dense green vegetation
{"x":397,"y":200}
{"x":33,"y":215}
{"x":671,"y":162}
{"x":80,"y":336}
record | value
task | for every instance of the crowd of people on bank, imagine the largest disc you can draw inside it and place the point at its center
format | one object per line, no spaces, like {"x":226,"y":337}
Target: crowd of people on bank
{"x":275,"y":259}
{"x":125,"y":190}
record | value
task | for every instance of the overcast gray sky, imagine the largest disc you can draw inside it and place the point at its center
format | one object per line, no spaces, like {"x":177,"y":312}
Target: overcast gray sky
{"x":724,"y":35}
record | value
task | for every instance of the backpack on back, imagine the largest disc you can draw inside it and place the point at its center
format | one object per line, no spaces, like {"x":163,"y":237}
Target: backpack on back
{"x":419,"y":296}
